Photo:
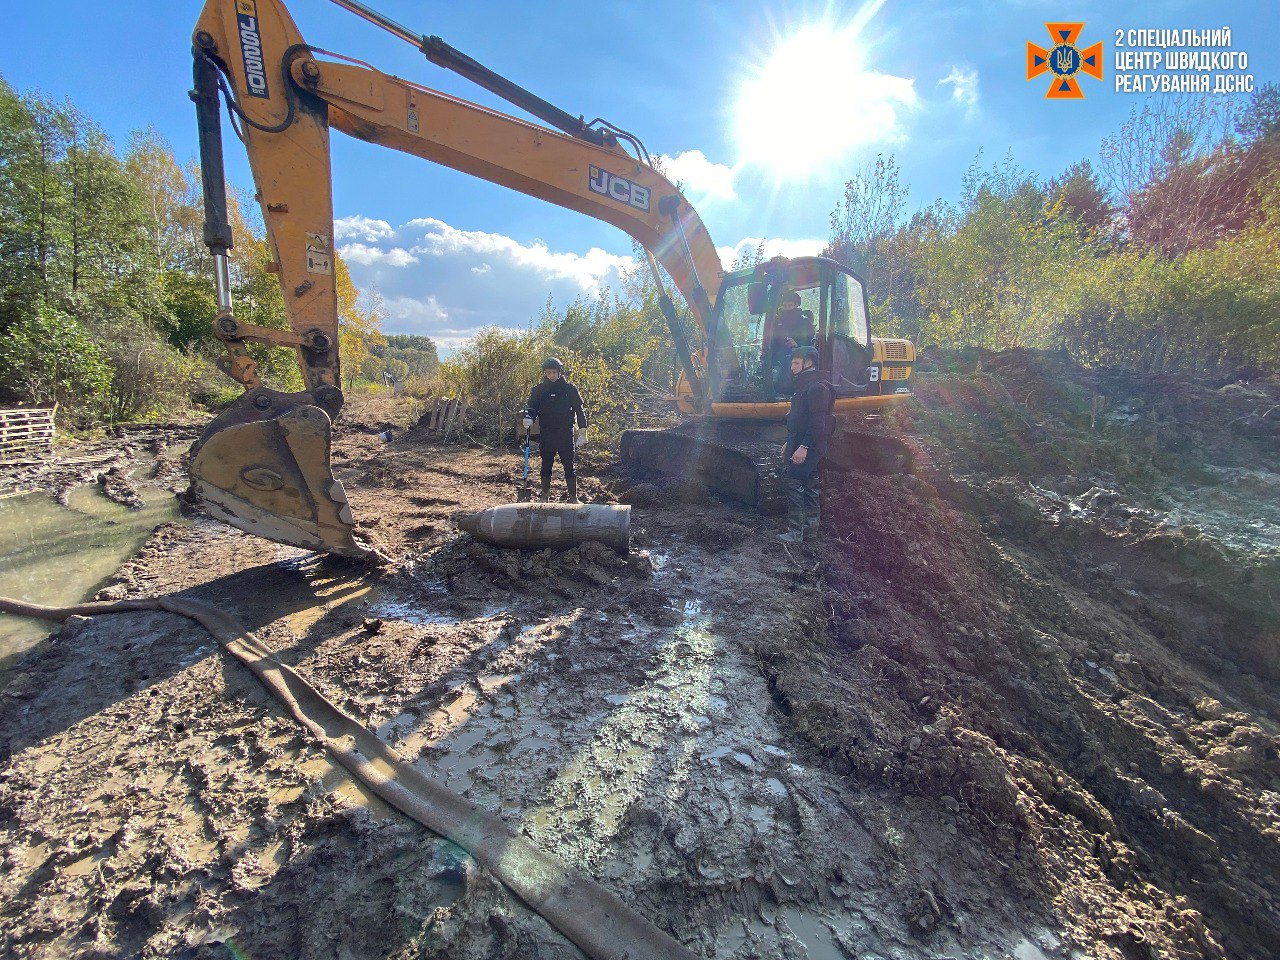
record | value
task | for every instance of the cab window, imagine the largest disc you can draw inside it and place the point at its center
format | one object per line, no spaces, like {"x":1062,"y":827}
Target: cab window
{"x":850,"y":337}
{"x":850,"y":313}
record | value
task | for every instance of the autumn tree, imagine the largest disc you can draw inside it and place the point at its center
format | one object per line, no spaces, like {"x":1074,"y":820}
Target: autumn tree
{"x":359,"y":323}
{"x":1080,"y":193}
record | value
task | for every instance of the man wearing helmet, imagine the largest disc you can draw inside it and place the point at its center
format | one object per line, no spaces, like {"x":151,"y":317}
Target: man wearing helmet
{"x":554,"y":403}
{"x":808,"y":431}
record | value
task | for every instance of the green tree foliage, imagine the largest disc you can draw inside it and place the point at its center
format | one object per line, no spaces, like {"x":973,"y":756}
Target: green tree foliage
{"x":33,"y":198}
{"x":616,"y":348}
{"x":106,"y":294}
{"x":865,"y":236}
{"x":172,"y":207}
{"x":1162,"y":257}
{"x":46,"y":356}
{"x":1260,"y":119}
{"x":1079,"y":194}
{"x":494,"y":370}
{"x":417,"y":354}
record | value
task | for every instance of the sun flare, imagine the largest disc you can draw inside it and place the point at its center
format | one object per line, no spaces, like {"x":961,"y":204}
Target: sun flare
{"x":814,"y":100}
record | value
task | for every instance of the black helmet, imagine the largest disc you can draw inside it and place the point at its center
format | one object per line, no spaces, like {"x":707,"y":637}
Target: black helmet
{"x":805,"y":353}
{"x":552,"y":363}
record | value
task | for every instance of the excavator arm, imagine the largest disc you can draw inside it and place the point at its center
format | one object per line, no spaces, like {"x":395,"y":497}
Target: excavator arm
{"x":263,"y":465}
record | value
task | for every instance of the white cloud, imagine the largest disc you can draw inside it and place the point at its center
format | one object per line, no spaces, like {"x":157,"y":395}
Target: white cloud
{"x":360,"y":253}
{"x":447,"y":283}
{"x":964,"y":89}
{"x":587,"y":270}
{"x":411,"y":311}
{"x":773,"y":247}
{"x":700,"y":178}
{"x":361,"y":228}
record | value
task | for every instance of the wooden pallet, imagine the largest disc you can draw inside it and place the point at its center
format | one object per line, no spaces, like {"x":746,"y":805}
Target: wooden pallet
{"x":446,"y":417}
{"x":26,"y":434}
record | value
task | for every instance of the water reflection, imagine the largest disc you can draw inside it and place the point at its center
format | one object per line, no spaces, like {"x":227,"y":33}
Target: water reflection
{"x":57,"y":555}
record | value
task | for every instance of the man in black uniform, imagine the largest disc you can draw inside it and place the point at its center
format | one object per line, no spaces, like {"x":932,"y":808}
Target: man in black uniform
{"x":554,"y":403}
{"x":790,"y":328}
{"x":808,"y":432}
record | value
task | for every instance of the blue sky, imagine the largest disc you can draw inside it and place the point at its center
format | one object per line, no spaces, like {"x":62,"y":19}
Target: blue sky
{"x":450,"y":253}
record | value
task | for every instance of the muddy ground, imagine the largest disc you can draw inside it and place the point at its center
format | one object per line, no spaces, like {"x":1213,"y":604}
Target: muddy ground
{"x":1021,"y":701}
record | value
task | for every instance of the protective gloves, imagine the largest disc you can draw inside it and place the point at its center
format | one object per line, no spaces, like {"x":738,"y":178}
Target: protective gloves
{"x":528,"y":423}
{"x":580,"y":439}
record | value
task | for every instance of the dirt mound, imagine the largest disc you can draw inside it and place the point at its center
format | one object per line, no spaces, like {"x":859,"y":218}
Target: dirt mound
{"x":1049,"y":666}
{"x":591,"y":563}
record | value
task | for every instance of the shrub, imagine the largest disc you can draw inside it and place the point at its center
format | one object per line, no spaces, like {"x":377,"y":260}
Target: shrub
{"x":494,"y":370}
{"x":148,"y":376}
{"x":47,"y":356}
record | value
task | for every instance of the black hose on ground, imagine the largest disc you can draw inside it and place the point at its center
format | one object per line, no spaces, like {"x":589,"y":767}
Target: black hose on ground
{"x":593,"y":918}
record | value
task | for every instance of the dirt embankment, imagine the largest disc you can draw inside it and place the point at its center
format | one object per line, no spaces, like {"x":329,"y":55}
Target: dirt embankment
{"x":1029,"y":635}
{"x":1013,"y":706}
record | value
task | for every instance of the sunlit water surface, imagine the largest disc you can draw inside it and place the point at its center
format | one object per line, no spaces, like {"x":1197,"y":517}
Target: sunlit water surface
{"x":57,"y":555}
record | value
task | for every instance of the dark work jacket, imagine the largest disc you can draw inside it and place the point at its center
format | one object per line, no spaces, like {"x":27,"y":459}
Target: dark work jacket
{"x":795,"y":324}
{"x":554,"y":403}
{"x":809,"y":422}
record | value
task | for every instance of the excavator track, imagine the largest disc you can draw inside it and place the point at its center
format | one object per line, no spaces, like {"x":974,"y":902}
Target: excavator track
{"x":741,"y":460}
{"x":737,"y":459}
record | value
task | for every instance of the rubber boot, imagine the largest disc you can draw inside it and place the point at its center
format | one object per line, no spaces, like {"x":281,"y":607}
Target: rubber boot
{"x":813,"y":522}
{"x":546,"y":492}
{"x":572,"y":483}
{"x":796,"y":517}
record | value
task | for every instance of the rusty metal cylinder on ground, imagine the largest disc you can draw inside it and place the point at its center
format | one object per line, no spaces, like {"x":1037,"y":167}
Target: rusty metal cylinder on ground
{"x":560,"y":526}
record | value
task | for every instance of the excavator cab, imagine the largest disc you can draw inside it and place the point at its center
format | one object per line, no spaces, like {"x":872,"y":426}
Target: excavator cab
{"x":731,"y":444}
{"x":749,"y":361}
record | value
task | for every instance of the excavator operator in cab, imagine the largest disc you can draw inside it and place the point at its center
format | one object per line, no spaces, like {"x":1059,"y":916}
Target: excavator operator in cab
{"x":791,"y":327}
{"x":554,"y":403}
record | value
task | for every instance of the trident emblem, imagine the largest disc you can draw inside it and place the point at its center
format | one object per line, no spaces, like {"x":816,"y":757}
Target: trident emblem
{"x":1065,"y":61}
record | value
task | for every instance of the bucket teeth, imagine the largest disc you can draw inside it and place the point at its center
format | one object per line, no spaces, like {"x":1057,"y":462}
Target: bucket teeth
{"x":272,"y":477}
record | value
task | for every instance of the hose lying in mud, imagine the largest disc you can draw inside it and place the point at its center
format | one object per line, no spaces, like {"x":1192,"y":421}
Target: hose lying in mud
{"x":599,"y":923}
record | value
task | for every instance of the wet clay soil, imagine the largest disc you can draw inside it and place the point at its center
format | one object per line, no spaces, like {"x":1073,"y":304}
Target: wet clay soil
{"x":1007,"y":707}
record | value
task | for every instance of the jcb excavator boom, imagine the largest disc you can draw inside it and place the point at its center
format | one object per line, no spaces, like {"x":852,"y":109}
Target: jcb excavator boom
{"x":263,"y":465}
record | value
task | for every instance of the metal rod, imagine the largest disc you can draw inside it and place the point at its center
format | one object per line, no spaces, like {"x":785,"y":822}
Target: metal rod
{"x":217,"y":227}
{"x":684,"y":353}
{"x":450,"y":58}
{"x":222,"y":280}
{"x":377,"y":19}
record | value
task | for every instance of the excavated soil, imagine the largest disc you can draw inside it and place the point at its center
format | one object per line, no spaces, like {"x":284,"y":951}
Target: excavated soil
{"x":1018,"y":702}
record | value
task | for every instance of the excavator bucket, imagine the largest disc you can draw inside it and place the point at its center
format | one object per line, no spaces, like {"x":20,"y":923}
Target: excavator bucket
{"x":263,"y":466}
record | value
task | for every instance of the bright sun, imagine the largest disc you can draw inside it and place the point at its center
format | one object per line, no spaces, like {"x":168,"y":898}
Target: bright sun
{"x":813,"y":101}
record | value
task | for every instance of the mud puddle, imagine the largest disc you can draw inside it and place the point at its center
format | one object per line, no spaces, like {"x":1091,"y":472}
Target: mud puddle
{"x":57,"y":555}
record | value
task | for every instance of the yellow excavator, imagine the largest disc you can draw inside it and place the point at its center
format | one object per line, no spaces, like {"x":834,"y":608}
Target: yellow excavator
{"x":263,"y":465}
